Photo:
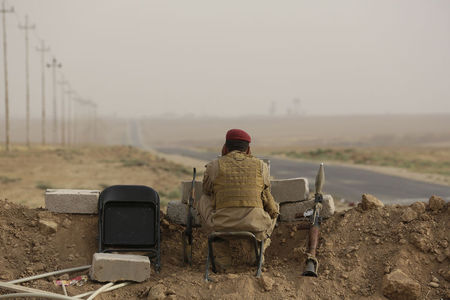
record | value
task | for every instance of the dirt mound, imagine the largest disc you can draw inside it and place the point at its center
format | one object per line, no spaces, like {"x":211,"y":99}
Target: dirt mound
{"x":358,"y":249}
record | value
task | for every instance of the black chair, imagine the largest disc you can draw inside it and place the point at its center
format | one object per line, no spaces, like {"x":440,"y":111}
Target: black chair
{"x":129,"y":221}
{"x":218,"y":235}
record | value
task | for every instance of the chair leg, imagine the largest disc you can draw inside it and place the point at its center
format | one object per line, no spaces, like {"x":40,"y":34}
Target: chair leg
{"x":210,"y":257}
{"x":261,"y":247}
{"x":211,"y":254}
{"x":158,"y":261}
{"x":255,"y":244}
{"x":207,"y":266}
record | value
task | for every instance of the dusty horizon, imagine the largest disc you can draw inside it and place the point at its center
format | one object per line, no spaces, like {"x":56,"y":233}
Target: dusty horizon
{"x":363,"y":130}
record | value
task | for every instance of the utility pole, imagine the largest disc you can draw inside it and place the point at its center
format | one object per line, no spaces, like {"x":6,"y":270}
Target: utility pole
{"x":54,"y":64}
{"x":76,"y":107}
{"x":43,"y":49}
{"x":69,"y":115}
{"x":4,"y":11}
{"x":27,"y":27}
{"x":273,"y":108}
{"x":63,"y":84}
{"x":93,"y":120}
{"x":94,"y":106}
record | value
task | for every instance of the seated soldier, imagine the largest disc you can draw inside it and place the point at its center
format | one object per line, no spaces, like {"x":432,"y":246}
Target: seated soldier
{"x":236,"y":191}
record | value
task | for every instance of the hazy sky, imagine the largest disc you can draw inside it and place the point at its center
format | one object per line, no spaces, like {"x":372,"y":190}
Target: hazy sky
{"x":232,"y":58}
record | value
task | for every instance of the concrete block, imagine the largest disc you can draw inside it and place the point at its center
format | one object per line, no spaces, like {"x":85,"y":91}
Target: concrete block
{"x":293,"y":211}
{"x":177,"y":213}
{"x":119,"y":267}
{"x":290,"y":190}
{"x":72,"y":201}
{"x":186,"y":190}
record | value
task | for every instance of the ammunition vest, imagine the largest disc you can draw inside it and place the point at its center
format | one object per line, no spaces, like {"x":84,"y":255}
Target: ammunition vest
{"x":239,"y":182}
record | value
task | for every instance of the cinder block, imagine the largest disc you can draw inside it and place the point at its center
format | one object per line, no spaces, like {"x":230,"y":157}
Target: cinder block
{"x":72,"y":201}
{"x":119,"y":267}
{"x":186,"y":190}
{"x":177,"y":213}
{"x":290,"y":190}
{"x":293,"y":211}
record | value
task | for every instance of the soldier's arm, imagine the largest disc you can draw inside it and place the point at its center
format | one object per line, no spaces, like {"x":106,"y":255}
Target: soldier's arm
{"x":269,"y":203}
{"x":207,"y":179}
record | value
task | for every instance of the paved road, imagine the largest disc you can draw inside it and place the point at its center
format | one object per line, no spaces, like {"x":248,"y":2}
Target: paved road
{"x":344,"y":182}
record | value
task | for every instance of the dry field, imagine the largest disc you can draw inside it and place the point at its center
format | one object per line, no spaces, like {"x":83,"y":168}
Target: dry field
{"x":25,"y":174}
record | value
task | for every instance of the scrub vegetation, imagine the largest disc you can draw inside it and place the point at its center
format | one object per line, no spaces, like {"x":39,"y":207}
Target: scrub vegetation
{"x":421,"y":160}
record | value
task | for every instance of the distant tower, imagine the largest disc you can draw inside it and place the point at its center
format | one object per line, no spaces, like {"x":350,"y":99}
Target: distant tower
{"x":296,"y":106}
{"x":273,"y":108}
{"x":288,"y":111}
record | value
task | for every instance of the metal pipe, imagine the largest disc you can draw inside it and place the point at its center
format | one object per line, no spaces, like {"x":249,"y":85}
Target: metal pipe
{"x":50,"y":274}
{"x":64,"y":289}
{"x":39,"y":295}
{"x":114,"y":287}
{"x":21,"y":289}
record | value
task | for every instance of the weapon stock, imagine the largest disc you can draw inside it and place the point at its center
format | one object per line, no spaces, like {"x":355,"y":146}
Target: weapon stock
{"x":314,"y":231}
{"x":187,"y":233}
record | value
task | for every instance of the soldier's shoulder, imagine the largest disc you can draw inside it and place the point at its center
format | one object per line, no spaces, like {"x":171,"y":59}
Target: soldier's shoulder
{"x":212,"y":163}
{"x":255,"y":158}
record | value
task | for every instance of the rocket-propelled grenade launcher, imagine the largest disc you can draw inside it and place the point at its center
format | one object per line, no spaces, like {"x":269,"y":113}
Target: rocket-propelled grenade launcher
{"x":314,"y":231}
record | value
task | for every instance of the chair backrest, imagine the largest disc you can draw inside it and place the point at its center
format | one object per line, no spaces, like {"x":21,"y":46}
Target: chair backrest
{"x":128,"y":217}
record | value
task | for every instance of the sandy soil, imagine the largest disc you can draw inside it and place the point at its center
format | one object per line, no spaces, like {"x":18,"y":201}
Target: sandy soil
{"x":357,"y":249}
{"x":25,"y":174}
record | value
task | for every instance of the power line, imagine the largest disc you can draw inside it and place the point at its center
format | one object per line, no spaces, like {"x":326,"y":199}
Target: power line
{"x":63,"y":84}
{"x":4,"y":11}
{"x":37,"y":36}
{"x":69,"y":93}
{"x":26,"y":28}
{"x":70,"y":112}
{"x":53,"y":65}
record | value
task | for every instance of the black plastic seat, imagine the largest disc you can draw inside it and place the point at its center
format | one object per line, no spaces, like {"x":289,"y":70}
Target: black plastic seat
{"x":129,"y":221}
{"x":217,"y":235}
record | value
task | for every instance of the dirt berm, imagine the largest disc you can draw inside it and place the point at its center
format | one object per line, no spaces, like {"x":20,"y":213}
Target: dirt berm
{"x":392,"y":252}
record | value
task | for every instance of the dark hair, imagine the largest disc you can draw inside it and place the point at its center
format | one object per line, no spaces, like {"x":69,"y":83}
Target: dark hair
{"x":237,"y":145}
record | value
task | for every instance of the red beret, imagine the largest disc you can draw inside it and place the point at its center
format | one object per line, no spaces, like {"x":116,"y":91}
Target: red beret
{"x":238,"y":134}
